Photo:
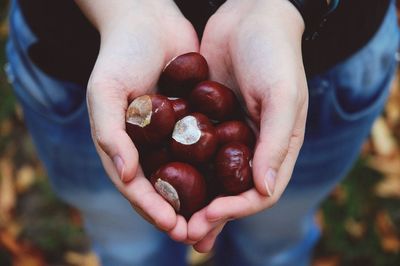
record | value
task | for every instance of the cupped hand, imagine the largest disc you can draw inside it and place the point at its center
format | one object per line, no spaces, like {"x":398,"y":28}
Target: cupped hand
{"x":254,"y":47}
{"x":138,"y":38}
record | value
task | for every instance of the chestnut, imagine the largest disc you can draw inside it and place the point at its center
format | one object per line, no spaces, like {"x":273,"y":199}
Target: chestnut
{"x":235,"y":131}
{"x":213,"y":185}
{"x":152,"y":160}
{"x":194,"y":139}
{"x":213,"y":99}
{"x":181,"y":107}
{"x":182,"y":186}
{"x":150,"y":119}
{"x":233,"y":168}
{"x":182,"y":73}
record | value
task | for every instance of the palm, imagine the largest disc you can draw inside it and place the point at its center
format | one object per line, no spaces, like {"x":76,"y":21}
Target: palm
{"x":132,"y":55}
{"x":258,"y":54}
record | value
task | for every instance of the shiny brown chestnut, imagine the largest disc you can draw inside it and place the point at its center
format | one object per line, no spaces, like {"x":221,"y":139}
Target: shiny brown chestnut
{"x":194,"y":139}
{"x":233,"y":168}
{"x":150,"y":119}
{"x":182,"y":73}
{"x":152,"y":160}
{"x":182,"y":186}
{"x":213,"y":186}
{"x":213,"y":99}
{"x":181,"y":107}
{"x":235,"y":131}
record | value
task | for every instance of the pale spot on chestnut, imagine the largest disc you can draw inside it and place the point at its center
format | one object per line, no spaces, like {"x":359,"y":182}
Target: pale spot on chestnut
{"x":186,"y":131}
{"x":150,"y":119}
{"x":182,"y":186}
{"x":168,"y":192}
{"x":186,"y":144}
{"x":139,"y":111}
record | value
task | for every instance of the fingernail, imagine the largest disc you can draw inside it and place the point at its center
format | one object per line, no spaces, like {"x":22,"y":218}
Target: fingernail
{"x":119,"y":164}
{"x":270,"y":179}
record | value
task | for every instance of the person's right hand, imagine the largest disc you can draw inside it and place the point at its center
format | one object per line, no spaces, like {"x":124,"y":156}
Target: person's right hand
{"x":138,"y":38}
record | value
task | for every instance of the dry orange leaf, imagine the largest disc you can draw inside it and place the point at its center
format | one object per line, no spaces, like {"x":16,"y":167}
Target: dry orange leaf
{"x":339,"y":195}
{"x":386,"y":165}
{"x":7,"y":190}
{"x":196,"y":258}
{"x":391,"y":244}
{"x":25,"y":178}
{"x":6,"y":127}
{"x":327,"y":261}
{"x":382,"y":139}
{"x":390,"y":241}
{"x":22,"y":254}
{"x":354,"y":228}
{"x":78,"y":259}
{"x":388,"y":187}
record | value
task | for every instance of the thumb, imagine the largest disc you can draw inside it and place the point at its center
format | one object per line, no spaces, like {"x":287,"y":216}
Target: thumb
{"x":107,"y":118}
{"x":277,"y":121}
{"x":109,"y":90}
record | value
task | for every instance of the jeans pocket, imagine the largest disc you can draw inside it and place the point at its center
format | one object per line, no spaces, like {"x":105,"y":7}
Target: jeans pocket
{"x":360,"y":84}
{"x":362,"y":95}
{"x":54,"y":99}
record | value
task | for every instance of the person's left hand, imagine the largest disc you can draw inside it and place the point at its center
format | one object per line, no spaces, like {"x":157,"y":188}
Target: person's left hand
{"x":254,"y":47}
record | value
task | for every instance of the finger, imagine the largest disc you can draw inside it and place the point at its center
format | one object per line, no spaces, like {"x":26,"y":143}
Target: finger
{"x":143,"y":197}
{"x":277,"y":120}
{"x":199,"y":226}
{"x":251,"y":201}
{"x":207,"y":243}
{"x":107,"y":116}
{"x":153,"y":207}
{"x":179,"y":232}
{"x":109,"y":91}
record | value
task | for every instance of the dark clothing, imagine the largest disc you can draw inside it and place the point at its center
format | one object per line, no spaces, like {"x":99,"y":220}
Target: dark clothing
{"x":68,"y":45}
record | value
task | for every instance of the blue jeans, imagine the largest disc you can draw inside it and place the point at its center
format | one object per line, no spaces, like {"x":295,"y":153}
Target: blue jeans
{"x":344,"y":102}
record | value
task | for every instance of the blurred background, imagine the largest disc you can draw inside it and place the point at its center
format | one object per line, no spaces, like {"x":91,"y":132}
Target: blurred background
{"x":360,"y":221}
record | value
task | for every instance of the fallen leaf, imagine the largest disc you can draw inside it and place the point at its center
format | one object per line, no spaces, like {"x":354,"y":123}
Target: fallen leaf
{"x":388,"y":187}
{"x":339,"y":195}
{"x":196,"y":258}
{"x":19,"y":112}
{"x":7,"y":190}
{"x":327,"y":261}
{"x":355,"y":228}
{"x":6,"y":127}
{"x":392,"y":108}
{"x":25,"y":178}
{"x":385,"y":165}
{"x":390,"y":241}
{"x":382,"y":139}
{"x":79,"y":259}
{"x":366,"y":148}
{"x":22,"y":254}
{"x":391,"y":244}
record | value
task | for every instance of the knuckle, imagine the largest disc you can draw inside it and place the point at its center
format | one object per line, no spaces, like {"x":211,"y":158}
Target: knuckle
{"x":104,"y":140}
{"x":280,"y":150}
{"x":273,"y":200}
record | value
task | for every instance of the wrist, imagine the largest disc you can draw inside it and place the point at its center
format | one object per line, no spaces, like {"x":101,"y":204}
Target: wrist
{"x":107,"y":16}
{"x":286,"y":17}
{"x":315,"y":14}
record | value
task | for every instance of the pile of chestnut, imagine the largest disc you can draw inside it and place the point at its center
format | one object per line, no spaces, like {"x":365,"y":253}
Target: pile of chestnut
{"x":193,"y":141}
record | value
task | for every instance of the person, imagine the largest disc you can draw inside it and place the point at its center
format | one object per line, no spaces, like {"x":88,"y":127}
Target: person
{"x":319,"y":95}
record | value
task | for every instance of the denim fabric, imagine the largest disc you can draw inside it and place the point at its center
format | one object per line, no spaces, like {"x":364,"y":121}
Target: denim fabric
{"x":343,"y":105}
